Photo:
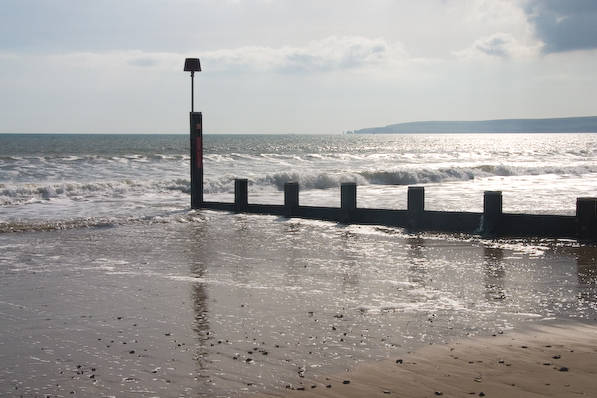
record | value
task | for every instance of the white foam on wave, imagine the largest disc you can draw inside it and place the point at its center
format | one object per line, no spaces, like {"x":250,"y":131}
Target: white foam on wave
{"x":309,"y":178}
{"x":14,"y":194}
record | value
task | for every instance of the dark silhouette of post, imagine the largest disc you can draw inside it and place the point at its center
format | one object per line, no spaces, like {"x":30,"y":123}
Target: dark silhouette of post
{"x":196,"y":129}
{"x":348,"y":199}
{"x":241,"y":201}
{"x":415,"y":205}
{"x":586,"y":218}
{"x":492,"y":211}
{"x":196,"y":160}
{"x":291,"y":198}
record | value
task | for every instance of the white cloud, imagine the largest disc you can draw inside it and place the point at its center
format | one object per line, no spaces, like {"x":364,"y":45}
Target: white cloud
{"x":501,"y":45}
{"x":328,"y":54}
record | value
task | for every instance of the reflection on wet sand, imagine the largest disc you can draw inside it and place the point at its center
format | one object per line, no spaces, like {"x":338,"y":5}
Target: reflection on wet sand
{"x":417,"y":272}
{"x":586,"y":264}
{"x":197,"y":246}
{"x":494,"y":273}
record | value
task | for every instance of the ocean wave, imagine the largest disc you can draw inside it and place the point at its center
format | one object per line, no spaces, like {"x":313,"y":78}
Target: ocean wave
{"x":15,"y":226}
{"x":92,"y":159}
{"x":15,"y":194}
{"x":308,"y":179}
{"x":411,"y":176}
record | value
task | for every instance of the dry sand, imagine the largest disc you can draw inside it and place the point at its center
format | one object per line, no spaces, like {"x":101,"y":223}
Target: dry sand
{"x":548,"y":361}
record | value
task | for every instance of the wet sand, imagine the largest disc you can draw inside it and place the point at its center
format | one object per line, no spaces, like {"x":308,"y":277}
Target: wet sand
{"x":546,"y":361}
{"x":235,"y":305}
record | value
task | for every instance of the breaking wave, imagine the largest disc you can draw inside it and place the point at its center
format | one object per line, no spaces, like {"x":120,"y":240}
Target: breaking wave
{"x":31,"y":193}
{"x":15,"y":194}
{"x":313,"y":180}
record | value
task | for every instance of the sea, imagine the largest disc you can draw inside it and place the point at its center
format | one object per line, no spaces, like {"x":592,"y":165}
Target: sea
{"x":110,"y":285}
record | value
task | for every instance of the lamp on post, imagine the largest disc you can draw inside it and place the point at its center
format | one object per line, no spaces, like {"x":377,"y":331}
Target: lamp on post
{"x":193,"y":65}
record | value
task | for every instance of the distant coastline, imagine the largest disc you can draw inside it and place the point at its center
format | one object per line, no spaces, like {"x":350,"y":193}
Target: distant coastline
{"x":586,"y":124}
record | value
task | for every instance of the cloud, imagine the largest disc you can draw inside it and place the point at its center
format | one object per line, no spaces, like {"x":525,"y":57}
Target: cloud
{"x":502,"y":45}
{"x":143,"y":62}
{"x":564,"y":25}
{"x":328,"y":54}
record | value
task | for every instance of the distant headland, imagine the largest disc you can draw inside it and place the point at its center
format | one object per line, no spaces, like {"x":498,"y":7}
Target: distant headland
{"x":586,"y":124}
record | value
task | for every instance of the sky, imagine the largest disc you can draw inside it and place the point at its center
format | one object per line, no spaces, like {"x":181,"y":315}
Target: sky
{"x":291,"y":66}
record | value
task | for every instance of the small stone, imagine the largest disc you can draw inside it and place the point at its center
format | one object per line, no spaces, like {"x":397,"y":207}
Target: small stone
{"x":328,"y":386}
{"x":131,"y":351}
{"x":557,"y":357}
{"x":439,"y":393}
{"x":563,"y":369}
{"x":346,"y":382}
{"x":399,"y":361}
{"x":481,"y":394}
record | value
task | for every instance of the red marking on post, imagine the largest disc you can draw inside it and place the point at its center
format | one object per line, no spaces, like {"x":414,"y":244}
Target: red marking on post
{"x":198,"y":153}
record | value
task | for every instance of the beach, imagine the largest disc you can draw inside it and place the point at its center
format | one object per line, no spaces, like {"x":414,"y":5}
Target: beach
{"x":189,"y":308}
{"x":544,"y":361}
{"x":110,"y":285}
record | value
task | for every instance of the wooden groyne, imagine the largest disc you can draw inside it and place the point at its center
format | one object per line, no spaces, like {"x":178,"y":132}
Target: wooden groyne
{"x":491,"y":222}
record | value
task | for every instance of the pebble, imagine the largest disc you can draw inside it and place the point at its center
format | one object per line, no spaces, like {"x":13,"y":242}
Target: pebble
{"x":563,"y":369}
{"x":346,"y":382}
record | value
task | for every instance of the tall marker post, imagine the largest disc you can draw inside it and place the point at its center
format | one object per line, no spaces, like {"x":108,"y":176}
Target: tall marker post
{"x":196,"y":123}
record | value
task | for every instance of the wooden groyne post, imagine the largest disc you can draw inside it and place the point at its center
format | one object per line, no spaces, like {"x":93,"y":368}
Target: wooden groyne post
{"x":348,"y":200}
{"x":492,"y":212}
{"x":196,"y":160}
{"x":196,"y":129}
{"x":241,"y":194}
{"x":415,"y":206}
{"x":586,"y":218}
{"x":291,"y":198}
